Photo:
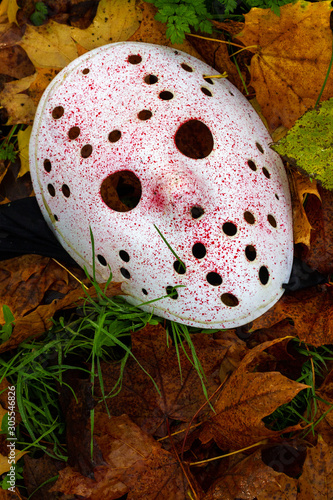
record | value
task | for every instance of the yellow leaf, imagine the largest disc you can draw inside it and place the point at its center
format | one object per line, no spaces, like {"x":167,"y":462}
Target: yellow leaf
{"x":23,"y":138}
{"x":12,"y":11}
{"x":115,"y":21}
{"x":20,"y":107}
{"x":291,"y":59}
{"x":50,"y":45}
{"x":8,"y":10}
{"x":5,"y":463}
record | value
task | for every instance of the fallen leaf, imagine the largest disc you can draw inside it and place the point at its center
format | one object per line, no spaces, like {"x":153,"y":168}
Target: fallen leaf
{"x":308,"y":144}
{"x":251,"y":478}
{"x":37,"y":473}
{"x":136,"y":465}
{"x":19,"y":106}
{"x":114,"y":22}
{"x":5,"y":463}
{"x":15,"y":62}
{"x":246,"y":398}
{"x":181,"y":395}
{"x":288,"y":74}
{"x":320,"y":216}
{"x":39,"y":320}
{"x":23,"y":138}
{"x":316,"y":482}
{"x":8,"y":10}
{"x":311,"y":311}
{"x":301,"y":186}
{"x":43,"y":79}
{"x":324,"y":416}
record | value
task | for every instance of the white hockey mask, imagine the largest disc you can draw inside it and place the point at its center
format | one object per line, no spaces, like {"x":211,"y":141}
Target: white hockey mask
{"x":173,"y":173}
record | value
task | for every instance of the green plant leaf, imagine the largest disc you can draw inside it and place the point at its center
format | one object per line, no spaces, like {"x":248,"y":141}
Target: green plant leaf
{"x":308,"y":144}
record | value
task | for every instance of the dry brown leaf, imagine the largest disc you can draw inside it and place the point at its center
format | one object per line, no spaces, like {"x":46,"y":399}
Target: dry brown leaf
{"x":325,"y":410}
{"x":316,"y":482}
{"x":311,"y":311}
{"x":15,"y":62}
{"x":300,"y":187}
{"x":251,"y":478}
{"x":287,"y":73}
{"x":246,"y":398}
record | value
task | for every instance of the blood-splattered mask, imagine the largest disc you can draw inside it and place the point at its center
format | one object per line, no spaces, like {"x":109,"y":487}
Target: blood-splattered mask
{"x":172,"y":171}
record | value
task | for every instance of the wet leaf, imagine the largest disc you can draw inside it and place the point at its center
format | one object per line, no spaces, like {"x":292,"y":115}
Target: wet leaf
{"x":320,"y":216}
{"x":15,"y":62}
{"x":135,"y":465}
{"x":180,"y":397}
{"x":286,"y":73}
{"x":251,"y":478}
{"x":316,"y":482}
{"x":311,"y":311}
{"x":247,"y":397}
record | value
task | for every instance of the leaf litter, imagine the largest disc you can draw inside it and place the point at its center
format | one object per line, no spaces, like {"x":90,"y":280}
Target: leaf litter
{"x":138,"y":436}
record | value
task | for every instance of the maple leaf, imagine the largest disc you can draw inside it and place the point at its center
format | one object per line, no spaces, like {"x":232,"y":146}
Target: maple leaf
{"x":251,"y":478}
{"x":286,"y":73}
{"x":247,"y":397}
{"x":311,"y":311}
{"x":316,"y":482}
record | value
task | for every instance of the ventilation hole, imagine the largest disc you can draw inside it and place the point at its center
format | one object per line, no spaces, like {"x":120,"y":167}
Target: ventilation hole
{"x":47,"y":166}
{"x":186,"y":67}
{"x":165,"y":95}
{"x":214,"y":279}
{"x":277,"y":196}
{"x":101,"y":260}
{"x":86,"y":151}
{"x":199,"y":250}
{"x":55,"y":217}
{"x":197,"y":212}
{"x":125,"y":273}
{"x":194,"y":139}
{"x":229,"y":228}
{"x":121,"y":191}
{"x":229,"y":299}
{"x":208,"y":80}
{"x":231,"y":93}
{"x":73,"y":132}
{"x":150,"y":79}
{"x":250,"y":253}
{"x":65,"y":190}
{"x":249,"y":217}
{"x":144,"y":291}
{"x":57,"y":112}
{"x":252,"y":165}
{"x":206,"y":91}
{"x":263,"y":275}
{"x":145,"y":114}
{"x":124,"y":256}
{"x":85,"y":71}
{"x":172,"y":292}
{"x":114,"y":136}
{"x":51,"y":189}
{"x":259,"y":147}
{"x":266,"y":173}
{"x":134,"y":59}
{"x":179,"y":267}
{"x":271,"y":220}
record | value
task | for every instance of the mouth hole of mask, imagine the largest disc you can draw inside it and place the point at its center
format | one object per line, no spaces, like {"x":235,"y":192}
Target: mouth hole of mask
{"x":121,"y":191}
